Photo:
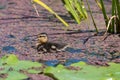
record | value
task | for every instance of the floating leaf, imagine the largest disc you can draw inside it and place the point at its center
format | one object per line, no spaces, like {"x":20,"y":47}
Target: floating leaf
{"x":33,"y":71}
{"x":26,"y":65}
{"x":14,"y":75}
{"x":11,"y":66}
{"x":9,"y":59}
{"x":86,"y":72}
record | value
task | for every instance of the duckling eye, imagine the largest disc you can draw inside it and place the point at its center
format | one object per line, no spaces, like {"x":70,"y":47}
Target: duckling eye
{"x":42,"y":36}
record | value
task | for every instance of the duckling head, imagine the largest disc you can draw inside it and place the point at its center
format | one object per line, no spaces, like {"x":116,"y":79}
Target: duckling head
{"x":42,"y":38}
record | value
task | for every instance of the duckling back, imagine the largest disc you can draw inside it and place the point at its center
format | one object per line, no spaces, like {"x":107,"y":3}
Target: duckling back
{"x":50,"y":47}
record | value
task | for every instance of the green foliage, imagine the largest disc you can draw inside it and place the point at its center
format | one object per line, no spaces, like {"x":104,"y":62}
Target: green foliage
{"x":77,"y":71}
{"x":14,"y":75}
{"x":85,"y":72}
{"x":112,"y":23}
{"x":51,"y":11}
{"x":76,"y":9}
{"x":12,"y":66}
{"x":92,"y":16}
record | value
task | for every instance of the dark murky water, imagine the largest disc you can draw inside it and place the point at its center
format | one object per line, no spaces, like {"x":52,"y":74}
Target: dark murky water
{"x":9,"y":49}
{"x":73,"y":50}
{"x":66,"y":63}
{"x":10,"y":36}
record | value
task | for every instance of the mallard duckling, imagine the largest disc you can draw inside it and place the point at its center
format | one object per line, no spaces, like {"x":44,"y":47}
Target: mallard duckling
{"x":45,"y":46}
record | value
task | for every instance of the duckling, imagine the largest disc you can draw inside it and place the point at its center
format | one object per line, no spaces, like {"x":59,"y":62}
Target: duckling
{"x":45,"y":46}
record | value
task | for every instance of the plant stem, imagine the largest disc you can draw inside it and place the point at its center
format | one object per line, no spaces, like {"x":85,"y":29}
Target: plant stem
{"x":92,"y":16}
{"x":104,"y":12}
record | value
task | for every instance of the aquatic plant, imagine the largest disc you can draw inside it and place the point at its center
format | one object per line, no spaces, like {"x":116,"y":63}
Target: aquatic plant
{"x":11,"y":67}
{"x":76,"y":9}
{"x":50,"y":10}
{"x":82,"y":71}
{"x":112,"y":23}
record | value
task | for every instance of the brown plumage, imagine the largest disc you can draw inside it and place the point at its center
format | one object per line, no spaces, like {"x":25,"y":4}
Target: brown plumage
{"x":45,"y":46}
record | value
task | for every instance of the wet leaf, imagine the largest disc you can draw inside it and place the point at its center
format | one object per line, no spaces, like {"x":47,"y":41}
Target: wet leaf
{"x":86,"y":72}
{"x":12,"y":66}
{"x":33,"y":71}
{"x":14,"y":75}
{"x":9,"y":59}
{"x":26,"y":65}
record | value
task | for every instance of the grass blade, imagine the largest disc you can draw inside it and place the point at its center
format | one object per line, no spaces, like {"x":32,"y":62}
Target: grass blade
{"x":99,"y":5}
{"x":51,"y":11}
{"x":118,"y":14}
{"x":70,"y":7}
{"x":104,"y":12}
{"x":92,"y":16}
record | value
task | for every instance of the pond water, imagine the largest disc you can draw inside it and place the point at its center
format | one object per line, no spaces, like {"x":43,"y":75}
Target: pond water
{"x":10,"y":36}
{"x":9,"y":49}
{"x":73,"y":50}
{"x":66,"y":63}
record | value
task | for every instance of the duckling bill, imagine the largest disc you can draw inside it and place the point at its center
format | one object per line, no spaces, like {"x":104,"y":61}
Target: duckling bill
{"x":45,"y":46}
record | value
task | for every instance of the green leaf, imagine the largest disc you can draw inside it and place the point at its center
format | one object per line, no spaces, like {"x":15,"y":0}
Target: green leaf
{"x":33,"y":71}
{"x":86,"y":72}
{"x":51,"y":11}
{"x":5,"y":69}
{"x":9,"y":59}
{"x":11,"y":65}
{"x":26,"y":65}
{"x":76,"y":9}
{"x":14,"y":75}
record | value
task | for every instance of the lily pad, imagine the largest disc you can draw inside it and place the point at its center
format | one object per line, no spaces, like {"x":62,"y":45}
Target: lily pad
{"x":11,"y":66}
{"x":14,"y":75}
{"x":86,"y":72}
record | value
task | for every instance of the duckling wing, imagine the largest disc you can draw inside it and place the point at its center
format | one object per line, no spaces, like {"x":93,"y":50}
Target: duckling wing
{"x":58,"y":47}
{"x":40,"y":47}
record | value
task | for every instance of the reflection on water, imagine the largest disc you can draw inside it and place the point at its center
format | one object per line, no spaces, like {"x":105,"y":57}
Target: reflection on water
{"x":71,"y":61}
{"x":9,"y":49}
{"x":10,"y":36}
{"x":73,"y":50}
{"x":26,"y":38}
{"x":66,"y":63}
{"x":51,"y":62}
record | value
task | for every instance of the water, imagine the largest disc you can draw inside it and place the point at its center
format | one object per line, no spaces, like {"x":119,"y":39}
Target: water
{"x":10,"y":36}
{"x":71,"y":61}
{"x":9,"y":49}
{"x":51,"y":62}
{"x":73,"y":50}
{"x":68,"y":62}
{"x":26,"y":38}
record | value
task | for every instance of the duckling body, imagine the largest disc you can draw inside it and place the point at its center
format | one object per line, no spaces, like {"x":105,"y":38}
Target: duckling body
{"x":45,"y":46}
